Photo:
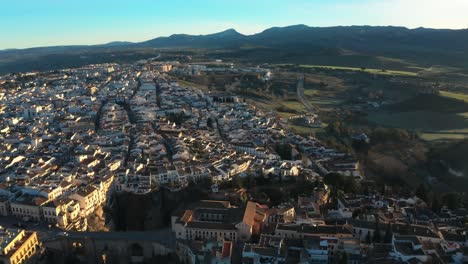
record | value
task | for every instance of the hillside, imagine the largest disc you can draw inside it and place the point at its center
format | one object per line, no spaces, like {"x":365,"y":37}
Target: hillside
{"x":454,"y":156}
{"x":433,"y":116}
{"x":358,"y":46}
{"x":226,"y":39}
{"x":448,"y":163}
{"x":430,"y":102}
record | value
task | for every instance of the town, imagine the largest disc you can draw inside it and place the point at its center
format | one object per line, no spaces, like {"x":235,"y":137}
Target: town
{"x":73,"y":139}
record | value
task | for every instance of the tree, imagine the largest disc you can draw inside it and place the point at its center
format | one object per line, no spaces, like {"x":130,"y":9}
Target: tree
{"x":421,"y":193}
{"x":284,"y":151}
{"x":435,"y":206}
{"x":249,"y":181}
{"x":244,"y":198}
{"x":334,"y":179}
{"x":388,"y":234}
{"x":356,"y":213}
{"x":384,"y":190}
{"x":342,"y":258}
{"x":334,"y":129}
{"x":341,"y":182}
{"x":368,"y":238}
{"x":451,"y":200}
{"x":338,"y":183}
{"x":365,"y":189}
{"x":209,"y":123}
{"x":207,"y":182}
{"x":361,"y":146}
{"x":275,"y":195}
{"x":350,"y":185}
{"x":239,"y":183}
{"x":377,"y":237}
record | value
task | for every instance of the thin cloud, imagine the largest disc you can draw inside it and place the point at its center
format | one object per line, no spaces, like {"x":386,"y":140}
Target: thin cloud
{"x":412,"y":13}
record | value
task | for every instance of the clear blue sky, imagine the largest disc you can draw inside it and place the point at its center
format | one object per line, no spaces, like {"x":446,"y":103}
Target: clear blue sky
{"x":32,"y":23}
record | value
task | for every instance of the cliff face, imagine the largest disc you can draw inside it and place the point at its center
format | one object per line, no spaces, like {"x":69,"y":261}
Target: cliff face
{"x":97,"y":221}
{"x":141,"y":212}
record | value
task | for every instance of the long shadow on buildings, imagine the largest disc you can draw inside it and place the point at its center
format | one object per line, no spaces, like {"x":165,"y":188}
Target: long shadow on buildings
{"x":141,"y":212}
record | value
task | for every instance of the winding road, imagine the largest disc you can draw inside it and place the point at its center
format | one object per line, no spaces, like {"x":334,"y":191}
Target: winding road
{"x":300,"y":95}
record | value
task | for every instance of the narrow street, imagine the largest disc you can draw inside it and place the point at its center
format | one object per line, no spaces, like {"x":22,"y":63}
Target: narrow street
{"x":132,"y":119}
{"x":97,"y":122}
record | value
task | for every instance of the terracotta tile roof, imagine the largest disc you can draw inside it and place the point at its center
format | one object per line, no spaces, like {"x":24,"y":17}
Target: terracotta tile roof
{"x":249,"y":214}
{"x":187,"y":216}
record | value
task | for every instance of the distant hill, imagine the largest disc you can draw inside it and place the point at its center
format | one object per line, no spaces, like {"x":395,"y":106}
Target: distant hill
{"x":357,"y":38}
{"x":226,"y":39}
{"x":421,"y":45}
{"x":345,"y":46}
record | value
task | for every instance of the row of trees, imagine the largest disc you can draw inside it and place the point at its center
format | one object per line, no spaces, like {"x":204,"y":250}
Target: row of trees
{"x":344,"y":184}
{"x":436,"y":201}
{"x":284,"y":150}
{"x":376,"y":237}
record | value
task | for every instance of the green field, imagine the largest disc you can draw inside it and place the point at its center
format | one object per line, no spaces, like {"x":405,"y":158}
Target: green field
{"x":305,"y":130}
{"x":457,"y":96}
{"x":294,"y":106}
{"x":421,"y":120}
{"x":442,"y":136}
{"x":431,"y":103}
{"x":284,"y":108}
{"x":371,"y":71}
{"x":410,"y":71}
{"x":434,"y":117}
{"x":323,"y":103}
{"x":288,"y":108}
{"x":311,"y":92}
{"x":194,"y":85}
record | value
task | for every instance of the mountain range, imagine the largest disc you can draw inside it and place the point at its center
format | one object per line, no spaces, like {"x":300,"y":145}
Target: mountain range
{"x":298,"y":43}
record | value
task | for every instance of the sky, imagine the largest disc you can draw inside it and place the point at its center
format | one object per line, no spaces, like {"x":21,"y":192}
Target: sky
{"x":34,"y":23}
